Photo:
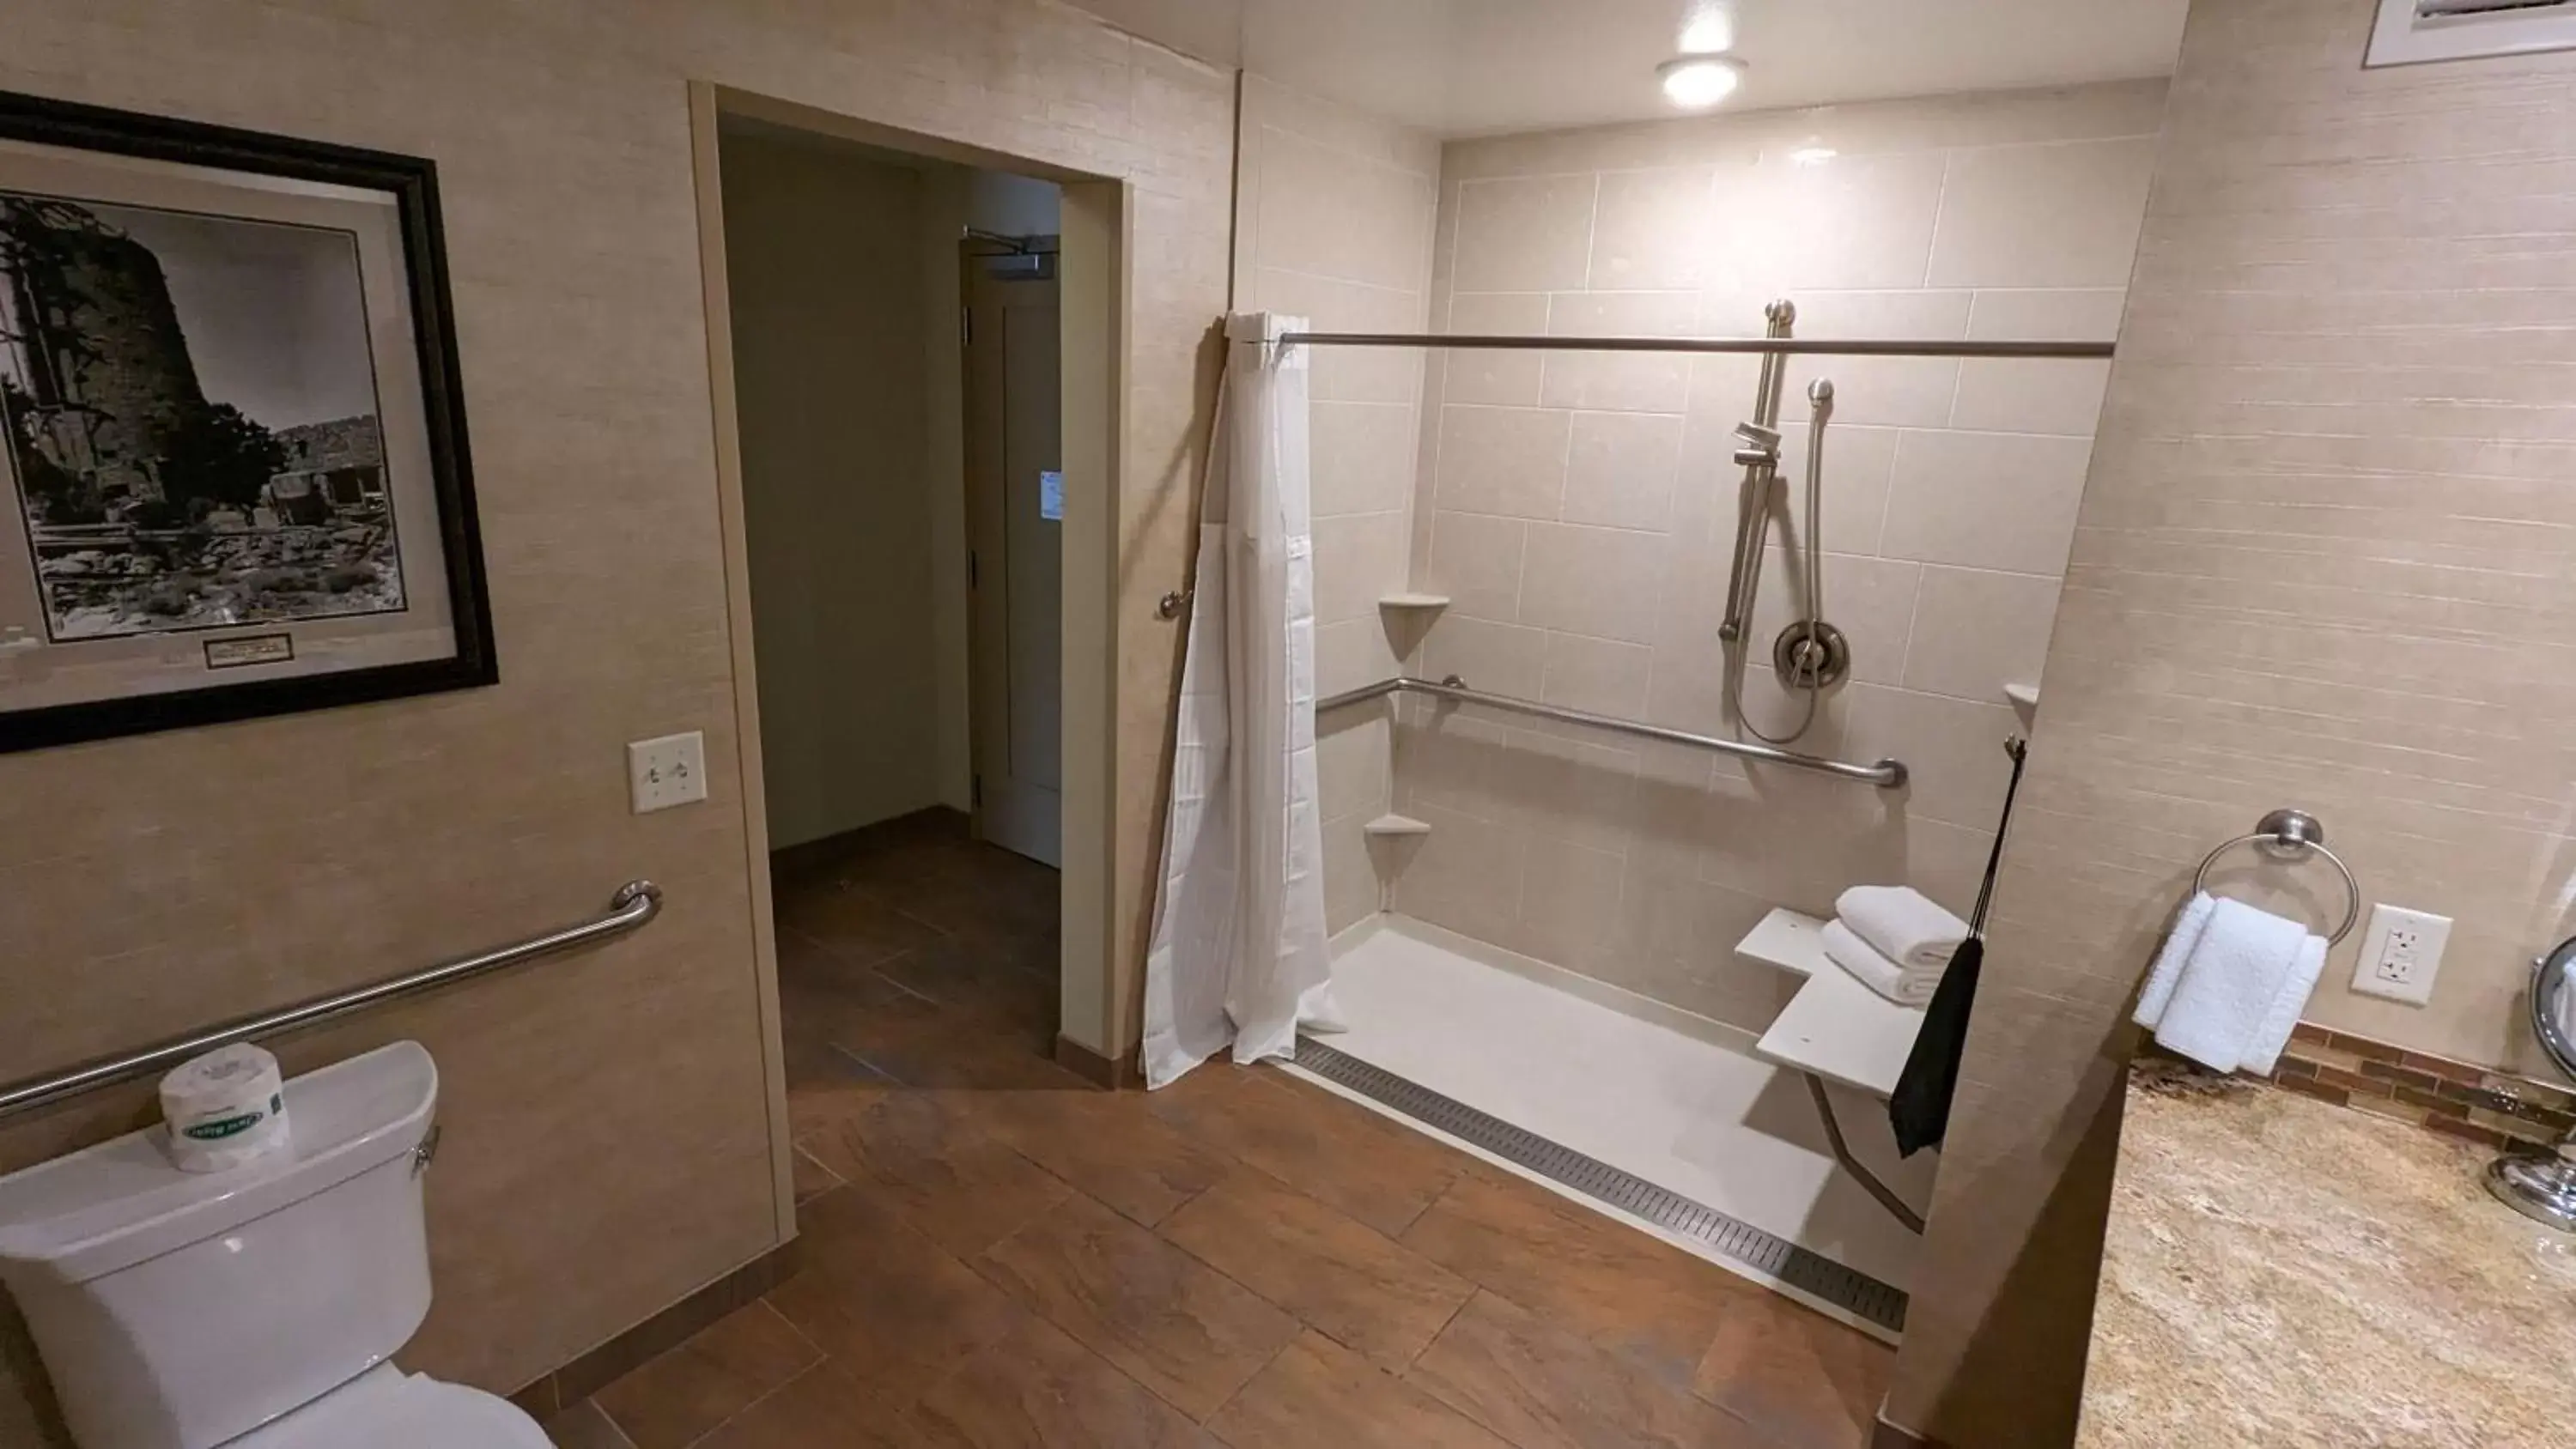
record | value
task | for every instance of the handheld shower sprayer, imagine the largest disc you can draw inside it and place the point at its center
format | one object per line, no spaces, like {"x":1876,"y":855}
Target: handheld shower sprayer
{"x":1811,"y":655}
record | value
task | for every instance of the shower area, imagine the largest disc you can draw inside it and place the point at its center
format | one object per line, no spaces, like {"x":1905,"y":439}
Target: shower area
{"x":1691,"y":504}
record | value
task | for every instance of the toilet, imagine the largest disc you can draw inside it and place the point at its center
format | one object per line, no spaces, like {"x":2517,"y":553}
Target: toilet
{"x":258,"y":1308}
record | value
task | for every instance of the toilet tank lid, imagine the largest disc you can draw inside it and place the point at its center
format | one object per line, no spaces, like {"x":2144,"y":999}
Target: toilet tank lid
{"x":108,"y":1207}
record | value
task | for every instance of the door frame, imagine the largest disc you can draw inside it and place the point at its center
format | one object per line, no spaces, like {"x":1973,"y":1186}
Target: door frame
{"x":1094,"y":301}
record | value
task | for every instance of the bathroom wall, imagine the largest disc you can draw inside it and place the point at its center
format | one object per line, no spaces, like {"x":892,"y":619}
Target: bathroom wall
{"x":822,"y":247}
{"x":1580,"y":510}
{"x":607,"y":1148}
{"x":1333,"y":222}
{"x":2323,"y":559}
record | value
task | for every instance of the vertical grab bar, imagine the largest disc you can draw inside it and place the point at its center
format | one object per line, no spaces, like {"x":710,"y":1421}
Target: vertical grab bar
{"x":1753,"y":508}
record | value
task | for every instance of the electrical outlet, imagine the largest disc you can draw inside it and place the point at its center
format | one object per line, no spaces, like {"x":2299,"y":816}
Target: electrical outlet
{"x":2401,"y":955}
{"x":666,"y":772}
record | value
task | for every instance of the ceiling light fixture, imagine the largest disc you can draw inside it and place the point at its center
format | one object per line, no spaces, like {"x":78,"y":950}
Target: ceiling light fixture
{"x":1710,"y":28}
{"x":1697,"y":82}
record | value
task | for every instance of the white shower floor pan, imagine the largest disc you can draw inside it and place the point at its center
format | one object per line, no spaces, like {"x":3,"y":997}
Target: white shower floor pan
{"x":1668,"y":1097}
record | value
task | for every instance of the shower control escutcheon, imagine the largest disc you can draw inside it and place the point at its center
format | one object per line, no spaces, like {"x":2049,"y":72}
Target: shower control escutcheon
{"x":1811,"y":654}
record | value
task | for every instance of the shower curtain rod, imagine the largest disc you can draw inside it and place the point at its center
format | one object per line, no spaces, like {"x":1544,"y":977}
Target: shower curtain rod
{"x":1885,"y":774}
{"x":1784,"y":346}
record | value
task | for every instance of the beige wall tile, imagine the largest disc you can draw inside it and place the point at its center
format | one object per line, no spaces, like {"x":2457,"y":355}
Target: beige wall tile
{"x":1620,"y":469}
{"x":2058,"y":395}
{"x":1476,"y":561}
{"x":1604,"y":582}
{"x":2011,"y":315}
{"x":1953,"y":749}
{"x":1465,"y":875}
{"x":1506,"y":461}
{"x":1569,"y":904}
{"x":1347,"y":374}
{"x":1656,"y":231}
{"x":1360,"y":457}
{"x":1330,"y":213}
{"x":1985,"y":500}
{"x":1451,"y":761}
{"x":1505,"y":378}
{"x":1880,"y":391}
{"x":1352,"y":758}
{"x":1595,"y":675}
{"x":1359,"y":558}
{"x":1561,"y":788}
{"x":1496,"y":658}
{"x":1854,"y":221}
{"x":1975,"y":632}
{"x":2059,"y":215}
{"x":1532,"y":235}
{"x":1351,"y":885}
{"x":1618,"y":381}
{"x":1860,"y":464}
{"x":1350,"y":654}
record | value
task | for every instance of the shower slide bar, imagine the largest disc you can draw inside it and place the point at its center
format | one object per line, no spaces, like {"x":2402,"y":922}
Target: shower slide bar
{"x":635,"y":903}
{"x":1775,"y":346}
{"x":1885,"y":774}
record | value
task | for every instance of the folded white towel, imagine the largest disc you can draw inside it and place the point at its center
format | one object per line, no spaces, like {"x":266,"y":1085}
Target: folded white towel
{"x":1863,"y":964}
{"x":2228,"y":985}
{"x":1903,"y":924}
{"x":2264,"y":1052}
{"x":2181,"y":939}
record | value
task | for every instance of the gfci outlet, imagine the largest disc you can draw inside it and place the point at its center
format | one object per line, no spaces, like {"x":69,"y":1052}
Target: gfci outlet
{"x":666,"y":772}
{"x":2401,"y":955}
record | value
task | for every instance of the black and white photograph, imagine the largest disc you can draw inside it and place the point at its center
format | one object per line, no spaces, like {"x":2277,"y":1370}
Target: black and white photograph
{"x":234,"y":474}
{"x":192,"y":419}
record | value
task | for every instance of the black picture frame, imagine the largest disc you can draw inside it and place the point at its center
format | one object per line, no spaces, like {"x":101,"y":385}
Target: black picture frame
{"x":412,"y":182}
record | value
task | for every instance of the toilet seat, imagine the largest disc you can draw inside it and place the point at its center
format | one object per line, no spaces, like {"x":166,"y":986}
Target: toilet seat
{"x":385,"y":1408}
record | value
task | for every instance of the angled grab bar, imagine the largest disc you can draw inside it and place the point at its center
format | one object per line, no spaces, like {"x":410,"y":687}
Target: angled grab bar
{"x":1885,"y":774}
{"x":635,"y":903}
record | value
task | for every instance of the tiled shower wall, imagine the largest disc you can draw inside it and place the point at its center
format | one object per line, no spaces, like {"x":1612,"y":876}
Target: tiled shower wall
{"x":1580,"y":509}
{"x":1333,"y":220}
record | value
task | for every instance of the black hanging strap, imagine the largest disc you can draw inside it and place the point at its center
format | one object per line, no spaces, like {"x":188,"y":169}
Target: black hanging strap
{"x":1919,"y":1109}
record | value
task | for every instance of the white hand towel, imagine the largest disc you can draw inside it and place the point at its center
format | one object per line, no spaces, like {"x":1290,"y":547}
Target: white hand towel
{"x":2181,"y":940}
{"x":2228,"y":985}
{"x":2264,"y":1052}
{"x":1903,"y":925}
{"x":1863,"y":964}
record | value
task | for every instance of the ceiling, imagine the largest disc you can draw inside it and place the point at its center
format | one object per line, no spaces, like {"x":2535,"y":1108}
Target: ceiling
{"x":1479,"y":67}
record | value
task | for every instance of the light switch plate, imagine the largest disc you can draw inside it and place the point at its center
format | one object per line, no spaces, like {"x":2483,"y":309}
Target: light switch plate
{"x":666,"y":772}
{"x":2401,"y":955}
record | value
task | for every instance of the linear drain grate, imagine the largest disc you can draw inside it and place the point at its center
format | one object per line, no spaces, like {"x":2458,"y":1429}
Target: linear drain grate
{"x":1821,"y":1277}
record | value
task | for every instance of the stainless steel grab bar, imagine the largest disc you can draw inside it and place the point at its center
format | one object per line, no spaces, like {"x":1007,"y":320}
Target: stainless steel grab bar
{"x":635,"y":903}
{"x":1780,"y":346}
{"x":1885,"y":774}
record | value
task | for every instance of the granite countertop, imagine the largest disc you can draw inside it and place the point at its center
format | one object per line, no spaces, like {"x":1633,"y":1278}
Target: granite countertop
{"x":2281,"y":1271}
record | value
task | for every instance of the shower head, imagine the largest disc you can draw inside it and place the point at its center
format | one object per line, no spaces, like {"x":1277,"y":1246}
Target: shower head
{"x":1820,"y":398}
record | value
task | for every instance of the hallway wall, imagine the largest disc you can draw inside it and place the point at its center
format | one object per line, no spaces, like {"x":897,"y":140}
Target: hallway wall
{"x":150,"y":885}
{"x":830,"y":347}
{"x":1333,"y":221}
{"x":2323,"y":559}
{"x":1580,"y":509}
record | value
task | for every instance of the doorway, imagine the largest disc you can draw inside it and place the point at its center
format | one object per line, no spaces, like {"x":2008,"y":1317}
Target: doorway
{"x":923,"y":669}
{"x":1010,"y":323}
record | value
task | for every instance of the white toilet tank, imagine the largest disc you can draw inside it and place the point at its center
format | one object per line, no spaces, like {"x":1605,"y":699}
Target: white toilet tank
{"x":179,"y":1310}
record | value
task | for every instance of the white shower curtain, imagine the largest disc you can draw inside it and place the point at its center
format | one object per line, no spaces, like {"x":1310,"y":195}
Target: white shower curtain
{"x":1239,"y":954}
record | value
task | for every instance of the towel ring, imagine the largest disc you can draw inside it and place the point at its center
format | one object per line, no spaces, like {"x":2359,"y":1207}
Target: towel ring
{"x":2288,"y":835}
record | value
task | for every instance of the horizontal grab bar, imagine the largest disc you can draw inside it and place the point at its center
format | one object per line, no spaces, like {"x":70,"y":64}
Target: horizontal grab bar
{"x":1885,"y":774}
{"x":1778,"y":346}
{"x":635,"y":903}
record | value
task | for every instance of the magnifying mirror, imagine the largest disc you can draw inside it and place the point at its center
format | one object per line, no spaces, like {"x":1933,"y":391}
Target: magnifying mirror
{"x":2544,"y":1188}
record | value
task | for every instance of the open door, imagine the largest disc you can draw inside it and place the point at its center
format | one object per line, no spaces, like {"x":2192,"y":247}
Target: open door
{"x":1015,"y":513}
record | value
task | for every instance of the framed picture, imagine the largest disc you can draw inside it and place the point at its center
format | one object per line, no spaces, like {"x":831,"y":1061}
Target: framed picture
{"x":232,"y":439}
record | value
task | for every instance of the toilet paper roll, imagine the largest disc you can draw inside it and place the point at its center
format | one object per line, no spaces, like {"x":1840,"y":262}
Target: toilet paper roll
{"x":225,"y":1109}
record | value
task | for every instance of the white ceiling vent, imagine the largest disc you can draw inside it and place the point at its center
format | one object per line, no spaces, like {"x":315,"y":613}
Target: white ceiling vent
{"x":2416,"y":30}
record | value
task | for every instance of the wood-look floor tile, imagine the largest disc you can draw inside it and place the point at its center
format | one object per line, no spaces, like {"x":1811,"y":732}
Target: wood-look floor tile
{"x":1806,"y":1379}
{"x":1601,"y":1279}
{"x":584,"y":1426}
{"x":824,"y":1408}
{"x":956,"y":1186}
{"x":1040,"y":1388}
{"x":1012,"y":985}
{"x":1108,"y":1144}
{"x":1317,"y":1392}
{"x":852,"y":923}
{"x":1334,"y":1152}
{"x":826,"y":1085}
{"x":1542,"y":1387}
{"x":1178,"y":1326}
{"x":673,"y":1399}
{"x":812,"y":1178}
{"x":894,"y":1309}
{"x":1351,"y":1281}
